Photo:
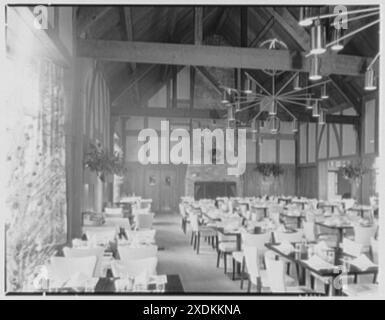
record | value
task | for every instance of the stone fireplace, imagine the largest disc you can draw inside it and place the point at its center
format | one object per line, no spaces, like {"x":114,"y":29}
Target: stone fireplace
{"x":210,"y":173}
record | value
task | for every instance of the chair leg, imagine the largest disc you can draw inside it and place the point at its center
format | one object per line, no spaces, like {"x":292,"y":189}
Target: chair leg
{"x":225,"y":261}
{"x":312,"y":282}
{"x":248,"y":285}
{"x":199,"y":242}
{"x":259,"y":285}
{"x":242,"y":272}
{"x":213,"y":242}
{"x":195,"y":241}
{"x":233,"y":269}
{"x":288,"y":269}
{"x":218,"y":258}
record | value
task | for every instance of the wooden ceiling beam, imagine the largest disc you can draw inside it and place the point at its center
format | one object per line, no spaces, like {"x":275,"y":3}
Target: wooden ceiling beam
{"x":146,"y":70}
{"x":347,"y":97}
{"x":137,"y":75}
{"x":92,"y":16}
{"x":290,"y":24}
{"x":128,"y":24}
{"x":198,"y":25}
{"x":222,"y":57}
{"x":207,"y":74}
{"x":168,"y":113}
{"x":266,"y":28}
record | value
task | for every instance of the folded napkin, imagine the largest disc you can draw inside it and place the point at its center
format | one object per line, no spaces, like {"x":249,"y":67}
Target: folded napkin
{"x":141,"y":279}
{"x":362,"y":262}
{"x":285,"y":247}
{"x":80,"y":280}
{"x":321,"y":246}
{"x":158,"y":279}
{"x":318,"y":263}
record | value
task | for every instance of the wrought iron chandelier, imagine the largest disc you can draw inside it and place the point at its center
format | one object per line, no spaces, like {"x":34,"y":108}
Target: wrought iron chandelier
{"x":270,"y":101}
{"x":318,"y":37}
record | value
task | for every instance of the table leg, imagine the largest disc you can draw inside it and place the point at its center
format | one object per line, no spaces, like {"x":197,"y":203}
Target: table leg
{"x":238,"y":249}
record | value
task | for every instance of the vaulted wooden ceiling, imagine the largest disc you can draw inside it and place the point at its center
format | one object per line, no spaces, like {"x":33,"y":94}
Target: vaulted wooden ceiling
{"x":134,"y":83}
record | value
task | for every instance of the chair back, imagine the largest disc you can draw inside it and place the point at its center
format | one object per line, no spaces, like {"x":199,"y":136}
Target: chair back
{"x":146,"y":236}
{"x":127,"y":253}
{"x":182,"y":210}
{"x":288,"y":236}
{"x":308,"y":229}
{"x":87,"y":252}
{"x":63,"y":268}
{"x":101,"y":235}
{"x":362,"y":234}
{"x":134,"y":268}
{"x":119,"y":223}
{"x":256,"y":240}
{"x":194,"y":222}
{"x":348,"y":203}
{"x":145,"y":204}
{"x":113,"y":212}
{"x":374,"y":249}
{"x":144,"y":221}
{"x":275,"y":270}
{"x":251,"y":255}
{"x":351,"y":247}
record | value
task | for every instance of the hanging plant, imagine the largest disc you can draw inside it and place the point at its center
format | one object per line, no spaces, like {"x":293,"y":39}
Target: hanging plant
{"x":99,"y":161}
{"x":354,"y":171}
{"x":269,"y":170}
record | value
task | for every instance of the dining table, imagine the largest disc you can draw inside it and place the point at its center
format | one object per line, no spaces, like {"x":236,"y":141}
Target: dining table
{"x":302,"y":266}
{"x":107,"y":286}
{"x":285,"y":200}
{"x":340,"y":228}
{"x":284,"y":216}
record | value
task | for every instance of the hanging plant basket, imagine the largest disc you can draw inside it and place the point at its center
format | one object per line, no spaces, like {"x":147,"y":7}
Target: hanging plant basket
{"x":103,"y":164}
{"x":354,"y":172}
{"x":269,"y":170}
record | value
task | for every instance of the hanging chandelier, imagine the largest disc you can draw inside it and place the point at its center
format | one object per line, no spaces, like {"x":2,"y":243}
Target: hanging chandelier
{"x":271,"y":101}
{"x":318,"y":45}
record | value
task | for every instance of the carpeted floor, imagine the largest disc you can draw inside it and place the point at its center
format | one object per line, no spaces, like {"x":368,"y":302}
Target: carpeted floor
{"x":198,"y":273}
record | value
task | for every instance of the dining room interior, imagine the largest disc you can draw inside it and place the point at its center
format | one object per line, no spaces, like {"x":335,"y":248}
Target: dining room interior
{"x":180,"y":150}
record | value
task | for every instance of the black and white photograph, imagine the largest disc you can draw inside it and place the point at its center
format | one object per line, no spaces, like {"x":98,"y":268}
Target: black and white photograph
{"x":191,"y":149}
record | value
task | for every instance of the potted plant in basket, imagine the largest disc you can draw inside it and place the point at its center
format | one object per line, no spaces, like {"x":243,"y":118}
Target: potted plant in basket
{"x":269,"y":172}
{"x":354,"y":173}
{"x":99,"y":161}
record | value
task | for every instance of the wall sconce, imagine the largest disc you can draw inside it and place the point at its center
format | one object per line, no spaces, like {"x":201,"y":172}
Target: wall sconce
{"x":337,"y":43}
{"x":304,"y":15}
{"x":370,"y":82}
{"x":309,"y":105}
{"x":248,"y":89}
{"x":315,"y":68}
{"x":273,"y":108}
{"x":322,"y":117}
{"x":297,"y":83}
{"x":316,"y":110}
{"x":225,"y":97}
{"x":324,"y":93}
{"x":318,"y":38}
{"x":274,"y":125}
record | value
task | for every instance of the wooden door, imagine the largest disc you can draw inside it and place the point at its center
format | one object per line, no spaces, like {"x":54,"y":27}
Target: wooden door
{"x":152,"y":184}
{"x":168,"y":189}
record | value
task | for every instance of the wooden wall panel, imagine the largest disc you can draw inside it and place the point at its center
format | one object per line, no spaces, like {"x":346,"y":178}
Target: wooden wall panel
{"x":255,"y":186}
{"x":307,"y":181}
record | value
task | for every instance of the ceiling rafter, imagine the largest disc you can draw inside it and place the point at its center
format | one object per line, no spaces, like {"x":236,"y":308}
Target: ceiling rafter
{"x":90,"y":18}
